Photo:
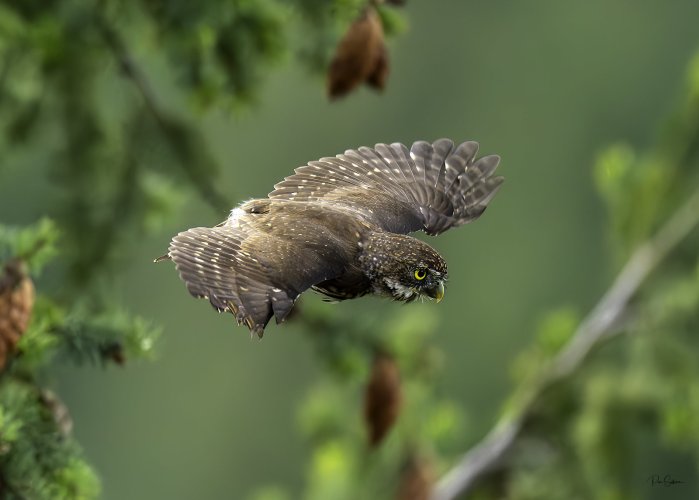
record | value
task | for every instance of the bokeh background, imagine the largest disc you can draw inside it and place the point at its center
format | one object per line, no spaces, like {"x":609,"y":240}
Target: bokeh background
{"x":546,"y":85}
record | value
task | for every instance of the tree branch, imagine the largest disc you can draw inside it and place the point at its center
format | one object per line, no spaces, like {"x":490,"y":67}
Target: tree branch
{"x":175,"y":132}
{"x":601,"y":323}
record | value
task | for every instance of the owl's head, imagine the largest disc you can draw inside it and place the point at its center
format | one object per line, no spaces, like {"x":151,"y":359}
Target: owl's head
{"x":402,"y":267}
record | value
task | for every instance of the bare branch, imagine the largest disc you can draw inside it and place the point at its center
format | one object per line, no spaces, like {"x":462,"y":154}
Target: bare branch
{"x":601,"y":323}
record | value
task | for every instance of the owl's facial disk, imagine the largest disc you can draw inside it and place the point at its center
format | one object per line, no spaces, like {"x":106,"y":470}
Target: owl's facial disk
{"x":403,"y":268}
{"x":416,"y":281}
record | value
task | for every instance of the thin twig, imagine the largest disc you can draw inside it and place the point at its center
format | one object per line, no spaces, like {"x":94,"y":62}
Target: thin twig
{"x":601,"y":323}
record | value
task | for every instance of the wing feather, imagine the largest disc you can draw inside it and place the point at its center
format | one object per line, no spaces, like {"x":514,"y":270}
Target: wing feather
{"x":382,"y":167}
{"x":399,"y":170}
{"x":457,"y":162}
{"x":440,"y":151}
{"x":247,"y":272}
{"x":421,"y":153}
{"x":430,"y":187}
{"x":373,"y":168}
{"x":402,"y":154}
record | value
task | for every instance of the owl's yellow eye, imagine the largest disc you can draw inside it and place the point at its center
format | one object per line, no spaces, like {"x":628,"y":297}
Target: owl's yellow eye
{"x":420,"y":274}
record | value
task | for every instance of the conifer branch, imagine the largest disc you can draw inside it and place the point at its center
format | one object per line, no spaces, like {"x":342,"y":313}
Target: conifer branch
{"x":601,"y":323}
{"x":179,"y":139}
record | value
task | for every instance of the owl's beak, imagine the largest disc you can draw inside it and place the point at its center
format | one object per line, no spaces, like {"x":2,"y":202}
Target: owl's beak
{"x":436,"y":292}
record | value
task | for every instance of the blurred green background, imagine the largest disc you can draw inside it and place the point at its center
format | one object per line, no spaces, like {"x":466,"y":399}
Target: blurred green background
{"x":546,"y":85}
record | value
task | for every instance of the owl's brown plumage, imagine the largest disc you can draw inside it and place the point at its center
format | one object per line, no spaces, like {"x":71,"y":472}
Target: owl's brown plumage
{"x":339,"y":225}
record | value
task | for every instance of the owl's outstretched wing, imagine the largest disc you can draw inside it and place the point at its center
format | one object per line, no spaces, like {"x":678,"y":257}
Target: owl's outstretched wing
{"x":252,"y":274}
{"x":431,"y":187}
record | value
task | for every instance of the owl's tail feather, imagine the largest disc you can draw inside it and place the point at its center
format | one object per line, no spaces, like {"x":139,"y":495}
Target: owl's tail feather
{"x":214,"y":265}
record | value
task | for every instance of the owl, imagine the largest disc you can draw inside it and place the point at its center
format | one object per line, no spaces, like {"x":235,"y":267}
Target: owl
{"x":340,"y":226}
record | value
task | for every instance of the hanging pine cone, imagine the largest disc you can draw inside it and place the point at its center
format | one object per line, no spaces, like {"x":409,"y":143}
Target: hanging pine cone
{"x":416,"y":479}
{"x":16,"y":303}
{"x":361,"y":56}
{"x":382,"y":398}
{"x":378,"y":77}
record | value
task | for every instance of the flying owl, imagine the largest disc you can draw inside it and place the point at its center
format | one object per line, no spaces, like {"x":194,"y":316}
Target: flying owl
{"x":339,"y":226}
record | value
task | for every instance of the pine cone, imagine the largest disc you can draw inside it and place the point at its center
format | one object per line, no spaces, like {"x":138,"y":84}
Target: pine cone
{"x":16,"y":303}
{"x":382,"y":398}
{"x":361,"y":56}
{"x":416,"y":479}
{"x":378,"y":77}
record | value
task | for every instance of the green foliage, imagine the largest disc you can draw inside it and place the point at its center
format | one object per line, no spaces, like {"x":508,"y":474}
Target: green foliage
{"x":107,"y":335}
{"x":322,"y":24}
{"x":393,"y":22}
{"x":76,"y":91}
{"x":635,"y":190}
{"x":641,"y":190}
{"x":119,"y":166}
{"x":36,"y":245}
{"x":552,"y":333}
{"x":342,"y":465}
{"x":118,"y":156}
{"x":637,"y":395}
{"x":332,"y":470}
{"x":38,"y":456}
